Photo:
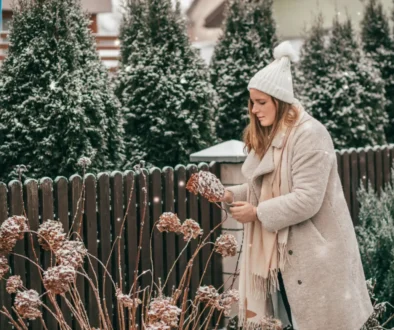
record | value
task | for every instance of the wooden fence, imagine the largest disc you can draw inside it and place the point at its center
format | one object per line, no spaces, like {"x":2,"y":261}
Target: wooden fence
{"x":106,"y":201}
{"x":105,"y":204}
{"x":358,"y":166}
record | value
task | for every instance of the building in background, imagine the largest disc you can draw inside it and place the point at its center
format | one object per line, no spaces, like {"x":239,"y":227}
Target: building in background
{"x":94,"y":7}
{"x":107,"y":44}
{"x":293,"y":17}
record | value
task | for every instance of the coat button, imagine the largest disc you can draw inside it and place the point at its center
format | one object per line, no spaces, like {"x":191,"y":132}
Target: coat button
{"x":290,"y":251}
{"x":299,"y":282}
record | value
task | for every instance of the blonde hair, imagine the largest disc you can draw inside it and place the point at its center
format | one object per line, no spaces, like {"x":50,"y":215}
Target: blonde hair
{"x":259,"y":137}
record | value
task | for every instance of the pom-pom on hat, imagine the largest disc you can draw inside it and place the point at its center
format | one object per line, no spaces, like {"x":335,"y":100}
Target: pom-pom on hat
{"x":275,"y":79}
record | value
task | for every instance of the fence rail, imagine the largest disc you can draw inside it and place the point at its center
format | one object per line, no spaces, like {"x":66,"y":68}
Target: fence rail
{"x":104,"y":206}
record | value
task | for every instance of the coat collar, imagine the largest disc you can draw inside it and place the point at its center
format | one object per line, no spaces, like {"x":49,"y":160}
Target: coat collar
{"x":253,"y":167}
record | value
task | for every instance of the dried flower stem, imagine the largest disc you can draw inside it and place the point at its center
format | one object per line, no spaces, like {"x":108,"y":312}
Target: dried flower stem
{"x":218,"y":321}
{"x":28,"y":259}
{"x":186,"y":292}
{"x":8,"y":315}
{"x":43,"y":323}
{"x":120,"y":308}
{"x":195,"y":323}
{"x":241,"y":246}
{"x":207,"y":320}
{"x":190,"y":318}
{"x":134,"y":308}
{"x":81,"y":197}
{"x":79,"y":302}
{"x":73,"y":310}
{"x":151,"y":260}
{"x":206,"y":264}
{"x":21,"y":322}
{"x":97,"y":296}
{"x":104,"y":268}
{"x":176,"y":260}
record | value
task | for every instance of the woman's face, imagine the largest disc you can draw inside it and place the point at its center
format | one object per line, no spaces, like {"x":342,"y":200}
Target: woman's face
{"x":264,"y":107}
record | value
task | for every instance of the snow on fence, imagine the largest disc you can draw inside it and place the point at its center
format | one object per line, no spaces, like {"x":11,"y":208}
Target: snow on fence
{"x":108,"y":48}
{"x":105,"y":202}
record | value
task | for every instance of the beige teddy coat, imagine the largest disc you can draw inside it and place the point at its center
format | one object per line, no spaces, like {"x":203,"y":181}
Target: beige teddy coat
{"x":324,"y":280}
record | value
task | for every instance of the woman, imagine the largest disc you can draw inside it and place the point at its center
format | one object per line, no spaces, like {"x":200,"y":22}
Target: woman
{"x":298,"y":233}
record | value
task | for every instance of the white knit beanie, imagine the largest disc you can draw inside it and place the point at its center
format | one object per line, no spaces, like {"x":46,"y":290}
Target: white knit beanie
{"x":275,"y":78}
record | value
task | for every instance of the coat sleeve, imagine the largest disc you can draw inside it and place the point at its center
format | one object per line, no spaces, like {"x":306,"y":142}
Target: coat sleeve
{"x":312,"y":161}
{"x":239,"y":191}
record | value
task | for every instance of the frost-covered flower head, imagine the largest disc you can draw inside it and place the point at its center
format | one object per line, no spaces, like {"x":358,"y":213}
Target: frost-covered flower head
{"x":207,"y":184}
{"x":57,"y":279}
{"x":11,"y":230}
{"x":13,"y":284}
{"x":27,"y":304}
{"x":51,"y":235}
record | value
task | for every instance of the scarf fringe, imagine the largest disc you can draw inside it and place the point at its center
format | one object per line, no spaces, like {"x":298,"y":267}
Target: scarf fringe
{"x":283,"y":256}
{"x":264,"y":287}
{"x":247,"y":324}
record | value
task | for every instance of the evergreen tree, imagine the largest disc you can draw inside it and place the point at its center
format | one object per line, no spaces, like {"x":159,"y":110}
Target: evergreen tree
{"x":378,"y":44}
{"x":375,"y":236}
{"x":245,"y":47}
{"x":133,"y":21}
{"x":356,"y":117}
{"x":167,"y":100}
{"x":312,"y":70}
{"x":54,"y":97}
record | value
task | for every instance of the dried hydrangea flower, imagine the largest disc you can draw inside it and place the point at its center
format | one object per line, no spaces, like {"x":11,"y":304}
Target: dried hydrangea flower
{"x":169,"y":222}
{"x":71,"y":253}
{"x":207,"y":184}
{"x":57,"y":279}
{"x":157,"y":326}
{"x":270,"y":323}
{"x":226,"y":245}
{"x":84,"y":162}
{"x":190,"y":228}
{"x":161,"y":309}
{"x":27,"y":304}
{"x":4,"y":267}
{"x":20,"y":169}
{"x":11,"y":230}
{"x":126,"y":301}
{"x":208,"y":294}
{"x":13,"y":284}
{"x":226,"y":300}
{"x":51,"y":235}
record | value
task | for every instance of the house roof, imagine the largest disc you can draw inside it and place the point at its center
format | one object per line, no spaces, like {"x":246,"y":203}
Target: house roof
{"x":192,"y":6}
{"x":215,"y":19}
{"x":92,"y":6}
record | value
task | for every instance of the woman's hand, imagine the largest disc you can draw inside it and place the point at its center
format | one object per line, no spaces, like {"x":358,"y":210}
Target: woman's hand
{"x":244,"y":212}
{"x":228,"y":197}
